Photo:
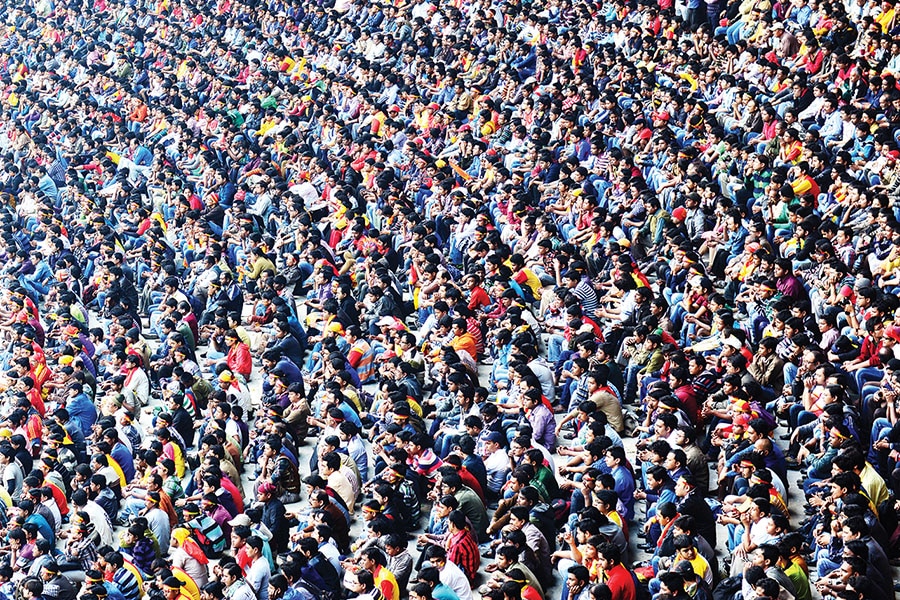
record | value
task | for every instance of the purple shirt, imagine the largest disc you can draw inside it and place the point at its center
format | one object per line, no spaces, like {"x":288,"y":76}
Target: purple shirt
{"x":544,"y":426}
{"x":789,"y":286}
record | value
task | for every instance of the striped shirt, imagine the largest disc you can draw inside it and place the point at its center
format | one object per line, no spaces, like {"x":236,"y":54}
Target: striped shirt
{"x":587,"y":295}
{"x":462,"y":550}
{"x":128,"y":583}
{"x":426,"y":463}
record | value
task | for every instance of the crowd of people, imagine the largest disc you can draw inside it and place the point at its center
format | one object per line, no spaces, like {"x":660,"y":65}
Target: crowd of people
{"x":360,"y":299}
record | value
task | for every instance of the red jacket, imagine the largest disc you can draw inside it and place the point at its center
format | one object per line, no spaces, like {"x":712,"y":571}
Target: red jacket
{"x":239,"y":360}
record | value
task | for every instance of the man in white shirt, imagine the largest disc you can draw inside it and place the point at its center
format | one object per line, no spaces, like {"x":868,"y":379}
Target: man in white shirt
{"x":99,"y":518}
{"x":157,"y":520}
{"x":12,"y":472}
{"x":258,"y":573}
{"x":421,"y":9}
{"x":330,"y":468}
{"x":496,"y":462}
{"x":814,"y":110}
{"x":450,"y":574}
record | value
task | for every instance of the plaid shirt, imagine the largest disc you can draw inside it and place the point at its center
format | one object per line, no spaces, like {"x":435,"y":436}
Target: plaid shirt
{"x":580,"y":393}
{"x":84,"y":551}
{"x":462,"y":550}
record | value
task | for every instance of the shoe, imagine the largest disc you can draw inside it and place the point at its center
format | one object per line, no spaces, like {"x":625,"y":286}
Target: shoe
{"x":784,"y":436}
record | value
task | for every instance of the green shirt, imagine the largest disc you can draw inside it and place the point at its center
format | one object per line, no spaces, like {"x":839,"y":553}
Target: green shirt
{"x":472,"y":506}
{"x":800,"y":581}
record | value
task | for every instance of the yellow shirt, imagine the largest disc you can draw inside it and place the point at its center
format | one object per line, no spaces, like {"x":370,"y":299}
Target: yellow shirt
{"x":801,"y":186}
{"x":873,"y":484}
{"x":615,"y":517}
{"x":178,"y":459}
{"x":385,"y":576}
{"x":115,"y":467}
{"x":701,"y":567}
{"x":885,"y":19}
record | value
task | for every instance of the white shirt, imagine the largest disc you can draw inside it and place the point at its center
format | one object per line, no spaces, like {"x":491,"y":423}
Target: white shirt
{"x":812,"y":111}
{"x":190,"y":565}
{"x":100,"y":521}
{"x":545,"y":376}
{"x":54,"y":509}
{"x":330,"y":551}
{"x":239,"y":590}
{"x":341,"y":485}
{"x":453,"y":577}
{"x":13,"y":473}
{"x":158,"y":521}
{"x":497,"y":466}
{"x":258,"y":577}
{"x":420,"y":10}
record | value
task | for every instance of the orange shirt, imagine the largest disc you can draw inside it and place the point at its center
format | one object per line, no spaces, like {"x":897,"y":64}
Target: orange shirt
{"x":465,"y":342}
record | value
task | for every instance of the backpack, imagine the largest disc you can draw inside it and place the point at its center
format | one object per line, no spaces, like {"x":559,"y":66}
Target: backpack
{"x":544,"y":519}
{"x":314,"y":591}
{"x":197,"y":307}
{"x":727,"y":588}
{"x":641,"y":591}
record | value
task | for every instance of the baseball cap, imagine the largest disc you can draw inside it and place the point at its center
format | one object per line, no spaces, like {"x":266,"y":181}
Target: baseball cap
{"x":240,"y":520}
{"x":733,"y":342}
{"x":683,"y":568}
{"x":495,"y":436}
